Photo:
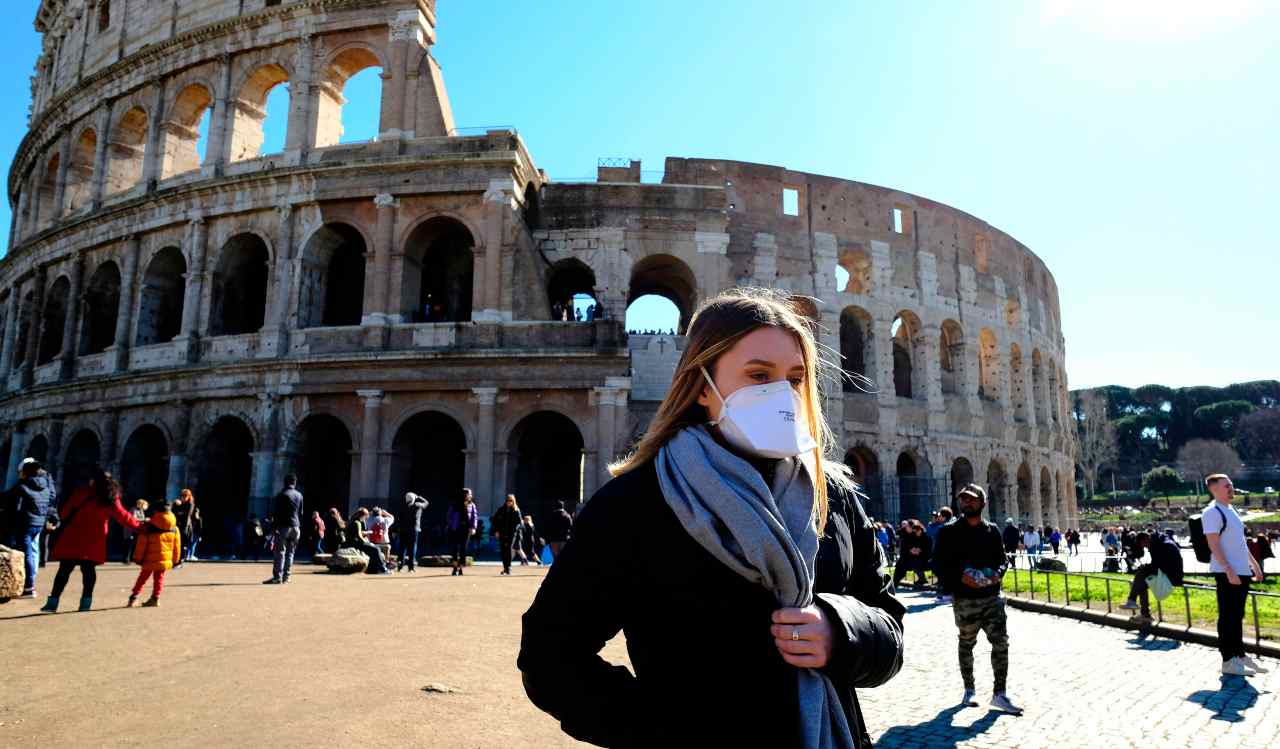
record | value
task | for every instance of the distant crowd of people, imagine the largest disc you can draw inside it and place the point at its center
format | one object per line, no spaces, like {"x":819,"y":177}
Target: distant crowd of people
{"x":567,"y":311}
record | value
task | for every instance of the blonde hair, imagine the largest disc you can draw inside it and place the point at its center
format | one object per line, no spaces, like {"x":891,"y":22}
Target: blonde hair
{"x":716,"y":327}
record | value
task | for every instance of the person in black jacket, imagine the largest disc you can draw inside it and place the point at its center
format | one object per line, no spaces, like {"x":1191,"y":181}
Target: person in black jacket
{"x":720,"y":657}
{"x":1166,"y":557}
{"x":505,"y":526}
{"x":410,"y":529}
{"x":971,"y":562}
{"x":26,"y":507}
{"x":916,"y":552}
{"x":557,"y":528}
{"x":286,"y":526}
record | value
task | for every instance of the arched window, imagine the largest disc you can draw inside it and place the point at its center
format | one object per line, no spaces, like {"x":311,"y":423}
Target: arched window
{"x":261,"y":114}
{"x":55,"y":317}
{"x":239,"y":303}
{"x":856,"y":267}
{"x":79,"y":187}
{"x":185,"y":133}
{"x":571,"y":291}
{"x":1037,"y":388}
{"x":42,"y":202}
{"x":855,"y":344}
{"x":665,"y":276}
{"x":439,"y":267}
{"x":988,"y":366}
{"x":125,"y":152}
{"x":101,"y":308}
{"x":951,"y":355}
{"x":1017,"y":383}
{"x":161,"y":297}
{"x":907,"y":349}
{"x":331,"y":291}
{"x":350,"y":102}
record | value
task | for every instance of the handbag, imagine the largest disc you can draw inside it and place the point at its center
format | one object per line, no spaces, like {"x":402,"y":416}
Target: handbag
{"x":1160,"y":585}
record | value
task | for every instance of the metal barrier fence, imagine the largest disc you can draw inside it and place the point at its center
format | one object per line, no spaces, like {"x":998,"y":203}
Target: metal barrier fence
{"x":1099,"y":588}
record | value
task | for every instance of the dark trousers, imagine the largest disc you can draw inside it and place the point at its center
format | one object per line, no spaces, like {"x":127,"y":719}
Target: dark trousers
{"x":408,"y":549}
{"x":88,"y":573}
{"x":458,"y":547}
{"x":905,"y":566}
{"x":506,"y":547}
{"x":1138,"y":590}
{"x":1231,"y":604}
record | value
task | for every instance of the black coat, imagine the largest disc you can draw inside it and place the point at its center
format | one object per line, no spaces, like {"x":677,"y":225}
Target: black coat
{"x":707,"y":672}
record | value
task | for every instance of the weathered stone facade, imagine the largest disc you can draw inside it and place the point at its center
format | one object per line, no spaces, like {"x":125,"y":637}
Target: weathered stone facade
{"x":377,"y":315}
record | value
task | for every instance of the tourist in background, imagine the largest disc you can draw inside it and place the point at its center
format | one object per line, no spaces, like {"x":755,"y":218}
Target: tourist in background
{"x":157,"y":551}
{"x":530,"y":543}
{"x":253,"y":538}
{"x":506,"y":525}
{"x":410,"y":528}
{"x":1012,"y":538}
{"x":1031,"y":544}
{"x":140,"y":514}
{"x":189,"y":523}
{"x":26,"y":507}
{"x":356,"y":537}
{"x":81,"y":537}
{"x":317,"y":533}
{"x":286,"y":528}
{"x":1055,"y":539}
{"x":557,"y":529}
{"x":916,"y":552}
{"x":972,"y":562}
{"x":461,"y":522}
{"x":1166,"y":559}
{"x":1233,"y":569}
{"x":337,"y":531}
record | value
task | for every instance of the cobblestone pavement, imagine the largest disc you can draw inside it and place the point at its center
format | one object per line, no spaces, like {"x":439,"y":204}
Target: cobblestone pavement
{"x":1081,"y":685}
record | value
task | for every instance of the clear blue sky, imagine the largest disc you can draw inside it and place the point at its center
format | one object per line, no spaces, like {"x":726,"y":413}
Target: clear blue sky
{"x":1129,"y":144}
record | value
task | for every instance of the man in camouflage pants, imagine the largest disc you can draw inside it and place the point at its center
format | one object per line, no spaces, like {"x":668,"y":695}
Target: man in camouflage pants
{"x":971,"y":563}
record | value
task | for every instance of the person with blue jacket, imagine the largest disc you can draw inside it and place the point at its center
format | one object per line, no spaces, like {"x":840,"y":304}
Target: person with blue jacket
{"x":28,"y":505}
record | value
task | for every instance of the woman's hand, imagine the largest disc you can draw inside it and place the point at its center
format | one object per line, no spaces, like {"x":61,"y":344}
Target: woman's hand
{"x":803,"y":636}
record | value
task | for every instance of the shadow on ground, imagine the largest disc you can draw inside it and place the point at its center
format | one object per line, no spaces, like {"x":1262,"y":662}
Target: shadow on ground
{"x":1146,"y":641}
{"x":941,"y":731}
{"x":1230,"y":701}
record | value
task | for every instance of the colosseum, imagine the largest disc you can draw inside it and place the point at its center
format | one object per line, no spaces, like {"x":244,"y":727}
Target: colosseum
{"x":378,"y":316}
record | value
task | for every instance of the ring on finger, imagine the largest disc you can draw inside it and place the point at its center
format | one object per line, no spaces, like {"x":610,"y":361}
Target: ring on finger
{"x":795,"y":634}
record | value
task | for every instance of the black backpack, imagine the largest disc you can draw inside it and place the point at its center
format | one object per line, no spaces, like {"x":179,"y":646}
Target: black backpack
{"x":1199,"y":542}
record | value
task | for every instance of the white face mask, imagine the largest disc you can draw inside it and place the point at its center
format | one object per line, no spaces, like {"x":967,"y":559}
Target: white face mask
{"x":764,"y":420}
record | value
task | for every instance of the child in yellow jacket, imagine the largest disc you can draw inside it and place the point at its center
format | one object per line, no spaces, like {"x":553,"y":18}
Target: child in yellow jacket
{"x":159,"y":549}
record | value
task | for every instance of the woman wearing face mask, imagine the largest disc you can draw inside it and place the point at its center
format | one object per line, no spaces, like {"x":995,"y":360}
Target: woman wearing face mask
{"x":768,"y":603}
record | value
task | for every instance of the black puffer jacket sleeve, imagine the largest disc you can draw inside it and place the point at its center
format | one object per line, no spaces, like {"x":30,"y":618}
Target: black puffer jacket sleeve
{"x":866,"y":616}
{"x":577,"y":610}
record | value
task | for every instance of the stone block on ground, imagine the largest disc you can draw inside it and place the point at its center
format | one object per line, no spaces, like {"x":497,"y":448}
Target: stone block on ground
{"x":348,"y":562}
{"x":13,"y":574}
{"x":1049,"y":564}
{"x":441,"y":560}
{"x":322,"y":559}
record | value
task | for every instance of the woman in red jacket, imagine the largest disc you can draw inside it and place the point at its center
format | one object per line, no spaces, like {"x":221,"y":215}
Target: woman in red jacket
{"x":82,"y":535}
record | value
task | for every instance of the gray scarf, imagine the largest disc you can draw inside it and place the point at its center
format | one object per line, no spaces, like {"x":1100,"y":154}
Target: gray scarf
{"x":766,"y":535}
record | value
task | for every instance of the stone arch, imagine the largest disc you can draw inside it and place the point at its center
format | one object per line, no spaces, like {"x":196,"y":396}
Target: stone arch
{"x":429,"y":457}
{"x":181,"y":130}
{"x":239,"y":295}
{"x":38,"y":448}
{"x":331,"y":287}
{"x":1051,"y":390}
{"x":79,"y":185}
{"x":1048,"y":504}
{"x":321,"y":448}
{"x":144,"y":464}
{"x":46,"y":194}
{"x":224,"y":474}
{"x":988,"y":365}
{"x":1066,"y":493}
{"x":546,"y":458}
{"x":1027,"y":505}
{"x":1037,"y":388}
{"x":857,"y":263}
{"x":53,"y":320}
{"x":83,"y":452}
{"x":666,"y":276}
{"x":161,"y":297}
{"x":245,"y":140}
{"x":857,"y":332}
{"x":1017,"y":383}
{"x":951,"y":353}
{"x":125,"y":151}
{"x":531,"y":211}
{"x":998,"y":506}
{"x":908,"y":353}
{"x":865,"y":465}
{"x":566,"y":281}
{"x":961,"y":476}
{"x":915,"y":485}
{"x":346,"y":62}
{"x":25,"y":310}
{"x":100,"y":310}
{"x":439,"y":269}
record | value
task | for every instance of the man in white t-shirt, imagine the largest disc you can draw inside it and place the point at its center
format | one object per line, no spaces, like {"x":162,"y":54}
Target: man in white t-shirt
{"x":1233,"y":567}
{"x":1031,"y":542}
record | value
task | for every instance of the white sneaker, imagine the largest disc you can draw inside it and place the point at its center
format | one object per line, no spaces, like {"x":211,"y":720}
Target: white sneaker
{"x":1251,"y":664}
{"x":1003,"y":703}
{"x":1234,"y":667}
{"x":1128,"y":606}
{"x":968,"y":699}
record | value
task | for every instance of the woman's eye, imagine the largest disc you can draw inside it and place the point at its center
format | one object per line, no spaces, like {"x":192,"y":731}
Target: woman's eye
{"x":796,"y":382}
{"x":759,"y":376}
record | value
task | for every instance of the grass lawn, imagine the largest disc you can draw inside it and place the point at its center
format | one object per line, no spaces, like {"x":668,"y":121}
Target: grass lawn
{"x":1071,"y":589}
